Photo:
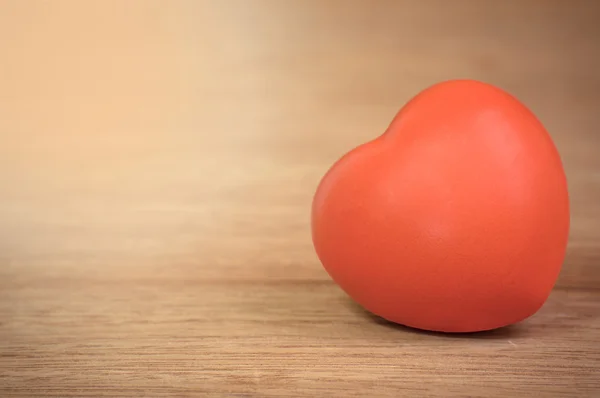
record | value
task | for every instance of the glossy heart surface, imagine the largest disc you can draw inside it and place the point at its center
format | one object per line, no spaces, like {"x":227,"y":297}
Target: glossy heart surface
{"x":455,"y":219}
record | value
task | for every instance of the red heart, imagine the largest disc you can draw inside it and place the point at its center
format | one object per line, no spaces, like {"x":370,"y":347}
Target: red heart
{"x":456,"y":219}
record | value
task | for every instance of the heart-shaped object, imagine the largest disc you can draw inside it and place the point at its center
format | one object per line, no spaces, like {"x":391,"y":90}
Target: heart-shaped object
{"x":456,"y":219}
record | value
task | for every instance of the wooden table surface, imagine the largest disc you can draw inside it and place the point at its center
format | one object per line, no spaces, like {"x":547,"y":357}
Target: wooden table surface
{"x":157,"y":165}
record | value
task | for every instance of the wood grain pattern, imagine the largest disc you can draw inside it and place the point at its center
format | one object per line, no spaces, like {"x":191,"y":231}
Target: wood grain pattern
{"x":157,"y":163}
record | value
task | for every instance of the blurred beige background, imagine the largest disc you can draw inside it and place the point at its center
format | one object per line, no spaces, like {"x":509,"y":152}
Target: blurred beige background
{"x":148,"y":128}
{"x":158,"y":159}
